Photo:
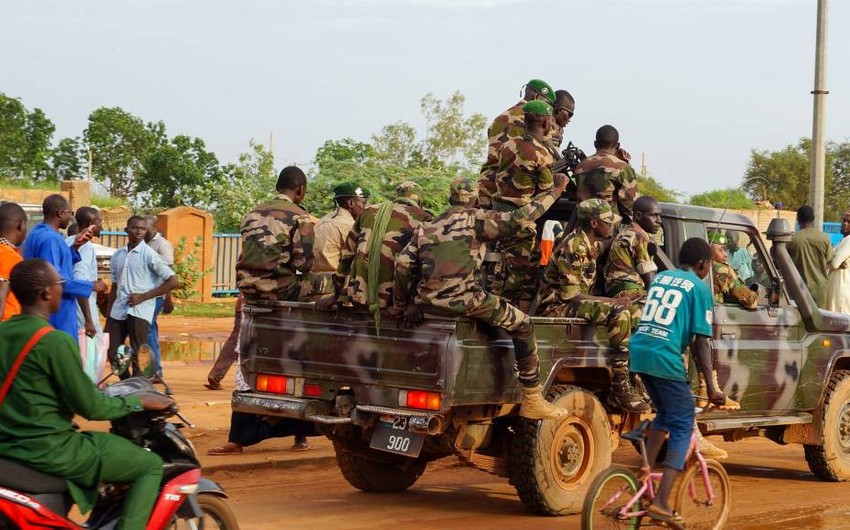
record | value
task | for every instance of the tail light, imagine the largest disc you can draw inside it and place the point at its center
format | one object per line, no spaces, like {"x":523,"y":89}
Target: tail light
{"x":312,"y":390}
{"x":419,"y":399}
{"x":275,"y":384}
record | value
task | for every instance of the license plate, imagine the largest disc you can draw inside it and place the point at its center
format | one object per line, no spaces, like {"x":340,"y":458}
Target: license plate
{"x":391,"y":435}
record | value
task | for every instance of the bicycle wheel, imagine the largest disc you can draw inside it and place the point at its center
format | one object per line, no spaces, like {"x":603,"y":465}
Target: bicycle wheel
{"x":608,"y":493}
{"x":691,"y":496}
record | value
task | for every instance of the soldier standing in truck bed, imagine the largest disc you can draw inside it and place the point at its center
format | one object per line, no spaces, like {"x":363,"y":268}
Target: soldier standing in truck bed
{"x":612,"y":162}
{"x":382,"y":230}
{"x":440,"y":271}
{"x":507,"y":125}
{"x":563,"y":111}
{"x":525,"y":169}
{"x":565,"y":291}
{"x":277,"y":243}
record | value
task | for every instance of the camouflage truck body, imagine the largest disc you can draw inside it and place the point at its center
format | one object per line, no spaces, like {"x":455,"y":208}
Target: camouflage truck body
{"x":395,"y":399}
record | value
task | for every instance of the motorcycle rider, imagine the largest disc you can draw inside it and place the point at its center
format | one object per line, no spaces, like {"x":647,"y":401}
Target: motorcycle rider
{"x":49,"y":388}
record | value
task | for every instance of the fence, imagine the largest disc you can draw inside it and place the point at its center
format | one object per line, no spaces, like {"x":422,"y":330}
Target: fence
{"x":833,"y":230}
{"x":226,"y":248}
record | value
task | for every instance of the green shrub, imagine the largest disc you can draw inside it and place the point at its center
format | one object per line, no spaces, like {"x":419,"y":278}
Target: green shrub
{"x":187,"y":267}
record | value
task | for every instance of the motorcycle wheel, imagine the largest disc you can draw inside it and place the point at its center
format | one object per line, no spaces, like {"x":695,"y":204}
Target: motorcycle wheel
{"x":217,"y":515}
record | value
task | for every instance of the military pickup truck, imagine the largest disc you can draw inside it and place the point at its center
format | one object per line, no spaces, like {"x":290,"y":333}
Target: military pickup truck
{"x":392,"y":399}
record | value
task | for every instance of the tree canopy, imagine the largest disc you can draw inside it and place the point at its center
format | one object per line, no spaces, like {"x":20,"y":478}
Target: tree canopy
{"x":25,"y":138}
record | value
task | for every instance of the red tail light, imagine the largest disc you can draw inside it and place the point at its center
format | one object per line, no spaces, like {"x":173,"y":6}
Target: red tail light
{"x":312,"y":390}
{"x":275,"y":384}
{"x":419,"y":399}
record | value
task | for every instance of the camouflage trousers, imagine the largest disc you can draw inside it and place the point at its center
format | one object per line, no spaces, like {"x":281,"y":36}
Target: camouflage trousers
{"x":315,"y":286}
{"x":638,"y":296}
{"x":521,"y":267}
{"x":617,"y":320}
{"x":496,"y":311}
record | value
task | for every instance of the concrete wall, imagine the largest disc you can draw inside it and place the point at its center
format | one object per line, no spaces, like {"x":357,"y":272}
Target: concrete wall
{"x":762,"y":217}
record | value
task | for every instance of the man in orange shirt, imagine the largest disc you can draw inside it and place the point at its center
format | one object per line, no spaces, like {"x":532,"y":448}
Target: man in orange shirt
{"x":13,"y":230}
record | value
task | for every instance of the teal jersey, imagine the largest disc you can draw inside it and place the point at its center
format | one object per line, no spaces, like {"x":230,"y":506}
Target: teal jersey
{"x":678,"y":306}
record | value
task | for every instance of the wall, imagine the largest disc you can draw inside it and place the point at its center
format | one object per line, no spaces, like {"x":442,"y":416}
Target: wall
{"x":191,"y":224}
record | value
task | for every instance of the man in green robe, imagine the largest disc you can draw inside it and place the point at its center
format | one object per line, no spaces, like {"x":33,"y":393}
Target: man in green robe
{"x":49,"y":388}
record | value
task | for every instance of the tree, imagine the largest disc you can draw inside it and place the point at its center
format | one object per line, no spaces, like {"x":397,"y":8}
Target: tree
{"x":732,"y":198}
{"x":175,"y":173}
{"x":119,"y":142}
{"x":24,"y":140}
{"x":68,"y":160}
{"x":649,"y":186}
{"x":452,"y":138}
{"x":396,"y":145}
{"x":342,"y":150}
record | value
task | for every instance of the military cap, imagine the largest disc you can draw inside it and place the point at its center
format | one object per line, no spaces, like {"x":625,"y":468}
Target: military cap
{"x":595,"y":209}
{"x":410,"y":190}
{"x":543,"y":88}
{"x":464,"y":190}
{"x":537,"y":108}
{"x":716,"y":237}
{"x":349,"y":189}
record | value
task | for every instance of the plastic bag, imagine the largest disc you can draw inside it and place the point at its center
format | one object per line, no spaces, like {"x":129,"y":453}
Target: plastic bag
{"x":93,"y":355}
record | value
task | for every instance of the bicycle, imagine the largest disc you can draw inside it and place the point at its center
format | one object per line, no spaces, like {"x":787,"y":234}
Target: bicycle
{"x":617,"y":498}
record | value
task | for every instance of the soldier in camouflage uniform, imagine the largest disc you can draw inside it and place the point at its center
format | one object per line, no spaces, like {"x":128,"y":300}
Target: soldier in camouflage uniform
{"x":611,"y":162}
{"x":525,"y":169}
{"x":565,"y":291}
{"x":277,"y":243}
{"x":562,"y":113}
{"x":507,"y":125}
{"x":728,"y":287}
{"x":399,"y":219}
{"x":630,"y":266}
{"x":440,"y":271}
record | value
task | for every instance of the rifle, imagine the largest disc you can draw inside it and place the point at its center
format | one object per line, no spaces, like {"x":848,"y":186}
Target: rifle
{"x":570,"y":158}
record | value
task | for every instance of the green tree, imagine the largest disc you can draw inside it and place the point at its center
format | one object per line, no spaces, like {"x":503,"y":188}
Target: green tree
{"x":650,"y":186}
{"x":396,"y":145}
{"x":119,"y":142}
{"x":732,"y":198}
{"x":68,"y":160}
{"x":779,"y":176}
{"x":25,"y":138}
{"x":175,"y":173}
{"x":452,"y":138}
{"x":342,"y":150}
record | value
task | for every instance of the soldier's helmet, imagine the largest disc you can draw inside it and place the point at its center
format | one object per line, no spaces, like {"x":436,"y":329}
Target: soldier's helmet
{"x":464,"y":192}
{"x":410,"y":190}
{"x":595,"y":209}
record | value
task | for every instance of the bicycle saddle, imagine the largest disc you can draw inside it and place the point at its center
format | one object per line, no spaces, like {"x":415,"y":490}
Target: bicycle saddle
{"x":26,"y":480}
{"x":638,"y":433}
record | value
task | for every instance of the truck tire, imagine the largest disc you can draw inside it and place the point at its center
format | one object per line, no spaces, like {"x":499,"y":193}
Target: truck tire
{"x":830,"y":459}
{"x":553,"y":463}
{"x":373,"y":471}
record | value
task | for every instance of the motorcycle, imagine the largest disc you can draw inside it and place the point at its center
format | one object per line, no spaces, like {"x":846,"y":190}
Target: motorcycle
{"x":30,"y":499}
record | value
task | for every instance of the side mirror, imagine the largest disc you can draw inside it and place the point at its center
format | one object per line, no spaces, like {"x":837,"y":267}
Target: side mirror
{"x":123,"y":357}
{"x":145,"y":358}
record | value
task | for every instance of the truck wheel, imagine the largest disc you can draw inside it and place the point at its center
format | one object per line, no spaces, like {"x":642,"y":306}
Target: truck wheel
{"x":830,"y":459}
{"x":376,"y":472}
{"x":553,"y":463}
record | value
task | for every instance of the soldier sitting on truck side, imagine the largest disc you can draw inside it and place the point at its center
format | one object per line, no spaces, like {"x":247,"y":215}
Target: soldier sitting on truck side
{"x":525,"y":169}
{"x":277,"y":243}
{"x":507,"y":125}
{"x":612,"y":162}
{"x":728,"y":286}
{"x":440,"y":271}
{"x":382,"y":230}
{"x":565,"y":291}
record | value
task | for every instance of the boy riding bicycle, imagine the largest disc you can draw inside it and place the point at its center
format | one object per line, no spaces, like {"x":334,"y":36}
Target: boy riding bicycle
{"x":679,"y":307}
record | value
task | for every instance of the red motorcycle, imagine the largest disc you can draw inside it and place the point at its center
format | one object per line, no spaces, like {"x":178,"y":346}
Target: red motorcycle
{"x":30,"y":499}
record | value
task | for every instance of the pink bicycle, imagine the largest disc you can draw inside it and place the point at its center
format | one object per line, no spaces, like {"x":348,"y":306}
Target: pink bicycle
{"x":617,"y":498}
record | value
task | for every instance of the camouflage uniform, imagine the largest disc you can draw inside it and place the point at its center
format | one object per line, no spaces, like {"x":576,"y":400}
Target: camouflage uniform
{"x":605,"y":163}
{"x":553,"y":139}
{"x":440,"y":269}
{"x":277,"y":248}
{"x":507,"y":125}
{"x":351,"y":278}
{"x":628,"y":259}
{"x":525,"y":169}
{"x":729,"y":289}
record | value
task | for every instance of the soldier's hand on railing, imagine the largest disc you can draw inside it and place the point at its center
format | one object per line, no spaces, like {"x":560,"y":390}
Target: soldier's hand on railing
{"x":559,"y":183}
{"x":413,"y":315}
{"x":716,"y":397}
{"x":326,"y":303}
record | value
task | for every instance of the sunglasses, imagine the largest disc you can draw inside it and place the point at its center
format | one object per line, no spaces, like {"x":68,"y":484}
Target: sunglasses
{"x":569,"y":112}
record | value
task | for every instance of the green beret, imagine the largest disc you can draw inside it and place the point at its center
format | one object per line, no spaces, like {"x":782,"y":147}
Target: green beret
{"x":537,"y":108}
{"x":716,"y":237}
{"x":464,"y":191}
{"x":410,"y":190}
{"x":543,"y":88}
{"x":595,"y":209}
{"x":349,"y":189}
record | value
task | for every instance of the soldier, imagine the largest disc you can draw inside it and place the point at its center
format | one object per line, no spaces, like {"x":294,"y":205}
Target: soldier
{"x":277,"y":243}
{"x":507,"y":125}
{"x":440,"y":271}
{"x":331,"y":232}
{"x":381,"y":230}
{"x":565,"y":292}
{"x":565,"y":106}
{"x":728,"y":287}
{"x":525,"y":169}
{"x":611,"y":162}
{"x":630,"y":267}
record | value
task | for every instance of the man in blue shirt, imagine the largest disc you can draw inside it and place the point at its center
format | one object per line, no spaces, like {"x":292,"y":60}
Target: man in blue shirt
{"x":138,"y":276}
{"x":679,"y":307}
{"x":45,"y":242}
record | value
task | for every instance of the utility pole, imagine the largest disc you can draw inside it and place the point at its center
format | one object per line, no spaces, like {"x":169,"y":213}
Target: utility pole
{"x":818,"y":150}
{"x":90,"y":162}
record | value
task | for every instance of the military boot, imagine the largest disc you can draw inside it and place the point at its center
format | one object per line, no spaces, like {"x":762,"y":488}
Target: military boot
{"x":702,"y":395}
{"x":535,"y":407}
{"x":709,"y":450}
{"x":623,"y":395}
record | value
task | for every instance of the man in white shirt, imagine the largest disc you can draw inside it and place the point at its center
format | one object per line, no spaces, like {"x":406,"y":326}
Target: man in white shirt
{"x":164,"y":305}
{"x":86,"y":269}
{"x":139,"y":275}
{"x":838,"y":279}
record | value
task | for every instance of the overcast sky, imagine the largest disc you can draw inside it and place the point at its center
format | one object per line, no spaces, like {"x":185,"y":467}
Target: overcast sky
{"x":694,"y":84}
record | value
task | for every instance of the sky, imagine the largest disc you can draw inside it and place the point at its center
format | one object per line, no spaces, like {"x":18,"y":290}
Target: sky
{"x":693,"y":85}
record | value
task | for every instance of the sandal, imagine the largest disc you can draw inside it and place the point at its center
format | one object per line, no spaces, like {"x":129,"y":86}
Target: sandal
{"x":300,"y":446}
{"x":212,"y":385}
{"x":226,"y":449}
{"x":672,"y":519}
